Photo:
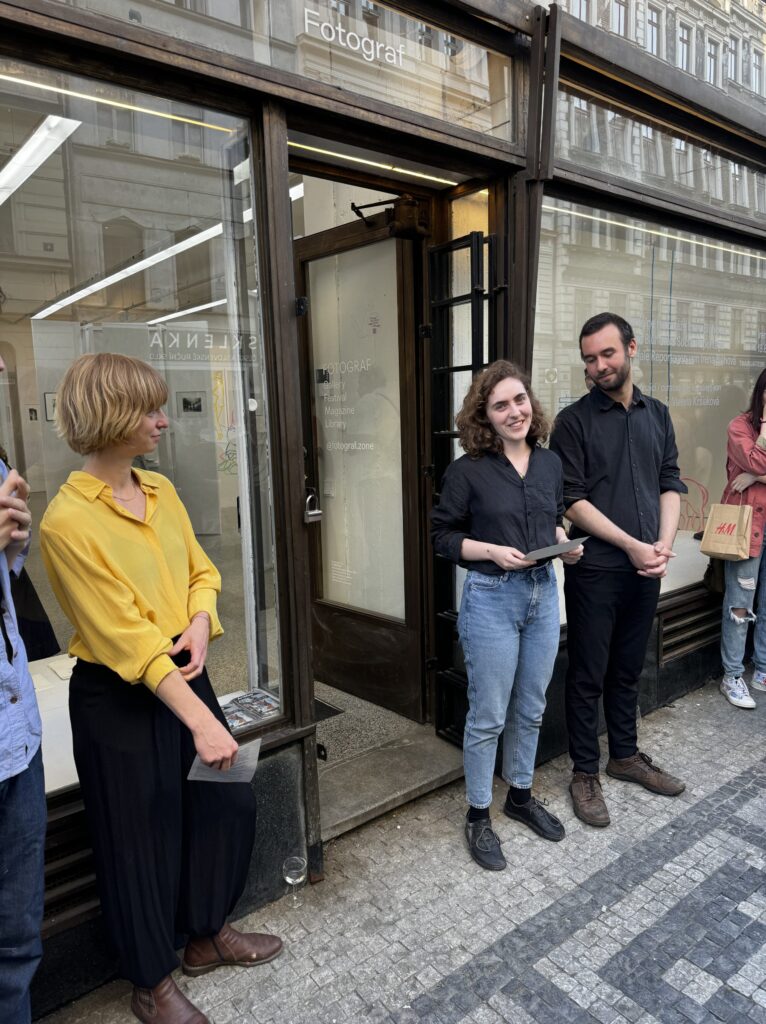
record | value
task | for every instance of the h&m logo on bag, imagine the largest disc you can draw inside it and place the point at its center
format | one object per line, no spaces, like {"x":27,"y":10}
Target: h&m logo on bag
{"x":727,"y":528}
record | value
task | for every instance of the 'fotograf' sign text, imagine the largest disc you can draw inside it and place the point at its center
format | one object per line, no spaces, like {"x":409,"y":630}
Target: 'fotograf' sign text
{"x":370,"y":49}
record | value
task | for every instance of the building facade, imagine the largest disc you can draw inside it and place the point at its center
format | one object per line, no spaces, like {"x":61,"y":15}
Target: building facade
{"x":317,"y":220}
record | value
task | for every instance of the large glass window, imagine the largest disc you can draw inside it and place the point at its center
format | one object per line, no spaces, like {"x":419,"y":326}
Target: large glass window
{"x":364,"y":48}
{"x":653,"y":17}
{"x":700,"y":325}
{"x":682,"y":37}
{"x":642,"y":152}
{"x":712,"y":61}
{"x":126,"y":225}
{"x":684,"y":47}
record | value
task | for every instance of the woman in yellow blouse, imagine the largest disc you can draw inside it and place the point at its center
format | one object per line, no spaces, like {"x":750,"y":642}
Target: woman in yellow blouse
{"x":172,"y":856}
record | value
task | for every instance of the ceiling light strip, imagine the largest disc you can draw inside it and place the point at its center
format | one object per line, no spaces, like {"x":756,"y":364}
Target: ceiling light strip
{"x":185,"y":312}
{"x":370,"y":163}
{"x":113,"y":103}
{"x":40,"y":145}
{"x":653,"y":231}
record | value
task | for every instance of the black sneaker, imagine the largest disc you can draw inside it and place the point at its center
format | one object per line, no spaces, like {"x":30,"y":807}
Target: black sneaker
{"x":535,"y":816}
{"x":484,"y":844}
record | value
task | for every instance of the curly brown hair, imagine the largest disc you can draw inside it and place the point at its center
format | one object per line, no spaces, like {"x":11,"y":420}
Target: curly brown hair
{"x":477,"y":435}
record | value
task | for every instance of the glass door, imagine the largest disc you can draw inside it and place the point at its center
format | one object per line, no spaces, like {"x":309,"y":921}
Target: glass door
{"x":361,"y":465}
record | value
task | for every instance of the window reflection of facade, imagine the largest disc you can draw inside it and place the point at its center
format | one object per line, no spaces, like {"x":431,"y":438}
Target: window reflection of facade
{"x":733,"y":55}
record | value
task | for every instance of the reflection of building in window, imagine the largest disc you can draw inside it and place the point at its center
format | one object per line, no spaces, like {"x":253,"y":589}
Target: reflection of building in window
{"x":6,"y":228}
{"x":684,"y":47}
{"x":343,"y":7}
{"x":620,"y":17}
{"x":712,"y":61}
{"x":737,"y":184}
{"x":733,"y":55}
{"x":188,"y":139}
{"x":711,"y":174}
{"x":123,"y":241}
{"x":617,"y":136}
{"x":651,"y":156}
{"x":584,"y":135}
{"x":683,"y":167}
{"x":194,"y":286}
{"x":737,"y":337}
{"x":115,"y":126}
{"x":653,"y":17}
{"x":760,"y":192}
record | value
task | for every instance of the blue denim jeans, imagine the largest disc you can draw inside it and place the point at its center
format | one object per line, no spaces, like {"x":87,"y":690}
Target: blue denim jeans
{"x":743,"y":581}
{"x":23,"y":819}
{"x":509,"y":631}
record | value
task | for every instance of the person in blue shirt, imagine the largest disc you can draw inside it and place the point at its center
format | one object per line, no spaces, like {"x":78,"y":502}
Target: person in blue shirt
{"x":22,"y":789}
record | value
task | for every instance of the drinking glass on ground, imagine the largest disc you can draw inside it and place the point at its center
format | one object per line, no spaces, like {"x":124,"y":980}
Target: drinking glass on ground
{"x":294,"y":872}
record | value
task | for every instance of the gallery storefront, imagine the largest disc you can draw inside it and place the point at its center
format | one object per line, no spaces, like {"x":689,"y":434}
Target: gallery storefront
{"x":317,"y":220}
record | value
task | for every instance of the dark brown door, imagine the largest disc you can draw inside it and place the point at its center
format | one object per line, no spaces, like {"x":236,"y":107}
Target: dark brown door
{"x":360,"y":403}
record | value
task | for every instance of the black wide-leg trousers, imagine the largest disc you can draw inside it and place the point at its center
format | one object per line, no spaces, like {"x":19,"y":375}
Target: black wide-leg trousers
{"x":609,"y":619}
{"x":171,"y":856}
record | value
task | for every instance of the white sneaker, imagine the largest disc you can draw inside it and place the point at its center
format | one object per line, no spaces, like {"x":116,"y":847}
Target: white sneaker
{"x":736,"y":692}
{"x":759,"y":681}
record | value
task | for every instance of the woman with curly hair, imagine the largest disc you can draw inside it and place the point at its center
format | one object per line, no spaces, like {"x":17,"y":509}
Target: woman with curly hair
{"x":501,"y":499}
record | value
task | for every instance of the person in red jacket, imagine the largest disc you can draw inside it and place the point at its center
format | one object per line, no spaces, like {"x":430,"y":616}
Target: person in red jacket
{"x":746,"y":483}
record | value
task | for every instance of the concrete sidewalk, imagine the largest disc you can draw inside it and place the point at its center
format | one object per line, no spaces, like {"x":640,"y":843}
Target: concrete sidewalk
{"x":661,"y":917}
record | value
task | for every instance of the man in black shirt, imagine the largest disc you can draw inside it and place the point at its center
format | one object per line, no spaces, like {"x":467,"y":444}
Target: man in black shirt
{"x":622,"y":487}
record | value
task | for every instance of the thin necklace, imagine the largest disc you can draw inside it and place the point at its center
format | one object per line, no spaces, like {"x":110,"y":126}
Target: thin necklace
{"x":136,"y":492}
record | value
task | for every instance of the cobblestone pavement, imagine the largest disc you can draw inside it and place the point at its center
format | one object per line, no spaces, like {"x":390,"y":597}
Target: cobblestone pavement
{"x":659,"y":918}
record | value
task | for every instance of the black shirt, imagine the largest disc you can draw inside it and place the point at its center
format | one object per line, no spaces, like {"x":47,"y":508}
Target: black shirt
{"x":485,"y":499}
{"x":620,"y":460}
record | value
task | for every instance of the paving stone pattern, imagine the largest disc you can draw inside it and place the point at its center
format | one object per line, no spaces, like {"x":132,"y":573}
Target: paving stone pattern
{"x":659,"y":918}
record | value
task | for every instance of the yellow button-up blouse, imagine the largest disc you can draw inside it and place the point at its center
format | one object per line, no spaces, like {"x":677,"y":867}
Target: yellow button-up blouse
{"x":127,"y":586}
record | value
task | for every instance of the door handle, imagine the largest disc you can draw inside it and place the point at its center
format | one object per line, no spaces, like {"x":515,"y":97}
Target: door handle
{"x":312,"y":513}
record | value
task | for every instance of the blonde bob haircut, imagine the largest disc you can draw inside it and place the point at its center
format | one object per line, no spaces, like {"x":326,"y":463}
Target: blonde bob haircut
{"x":103,"y":398}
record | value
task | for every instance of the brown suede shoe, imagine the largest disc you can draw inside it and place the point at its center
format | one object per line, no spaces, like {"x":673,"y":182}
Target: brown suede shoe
{"x":641,"y":769}
{"x":588,"y":800}
{"x":230,"y":948}
{"x":165,"y":1004}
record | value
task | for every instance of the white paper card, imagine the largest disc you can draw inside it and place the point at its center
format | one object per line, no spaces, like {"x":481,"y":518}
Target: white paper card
{"x":242,"y":770}
{"x":555,"y":549}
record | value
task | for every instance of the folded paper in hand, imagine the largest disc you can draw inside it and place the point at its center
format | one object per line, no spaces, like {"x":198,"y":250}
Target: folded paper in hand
{"x":555,"y":549}
{"x":242,"y":770}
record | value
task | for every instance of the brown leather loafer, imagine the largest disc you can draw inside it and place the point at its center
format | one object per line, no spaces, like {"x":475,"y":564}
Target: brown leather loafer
{"x":229,"y":948}
{"x":588,"y":800}
{"x":641,"y":769}
{"x":165,"y":1004}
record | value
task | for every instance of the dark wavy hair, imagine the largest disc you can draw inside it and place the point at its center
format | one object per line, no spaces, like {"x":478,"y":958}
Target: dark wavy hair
{"x":477,"y":434}
{"x":755,"y":409}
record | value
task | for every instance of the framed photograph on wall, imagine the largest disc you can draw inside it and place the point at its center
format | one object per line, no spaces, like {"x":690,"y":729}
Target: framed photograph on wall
{"x":190,"y":403}
{"x":50,"y":405}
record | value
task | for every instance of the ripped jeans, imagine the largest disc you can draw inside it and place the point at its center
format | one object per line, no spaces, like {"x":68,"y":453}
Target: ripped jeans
{"x":743,"y":581}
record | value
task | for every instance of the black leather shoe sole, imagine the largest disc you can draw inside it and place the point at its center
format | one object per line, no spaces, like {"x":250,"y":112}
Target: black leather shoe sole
{"x":542,"y":827}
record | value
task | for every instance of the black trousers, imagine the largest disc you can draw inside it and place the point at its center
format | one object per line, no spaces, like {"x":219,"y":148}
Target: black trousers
{"x":609,"y":618}
{"x":171,"y":856}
